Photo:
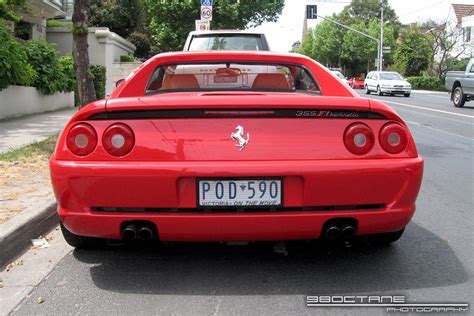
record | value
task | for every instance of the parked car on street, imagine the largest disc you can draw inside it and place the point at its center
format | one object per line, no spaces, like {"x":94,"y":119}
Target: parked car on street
{"x":226,"y":40}
{"x":356,"y":83}
{"x":461,"y":85}
{"x":386,"y":82}
{"x":224,"y":154}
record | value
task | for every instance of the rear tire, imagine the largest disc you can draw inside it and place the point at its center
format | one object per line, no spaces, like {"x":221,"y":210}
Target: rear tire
{"x":367,"y":91}
{"x":83,"y":242}
{"x":406,"y":95}
{"x":385,"y":239}
{"x":379,"y":92}
{"x":459,"y":98}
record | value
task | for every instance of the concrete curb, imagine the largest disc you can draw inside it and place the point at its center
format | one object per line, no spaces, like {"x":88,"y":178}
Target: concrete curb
{"x":430,"y":92}
{"x":16,"y":234}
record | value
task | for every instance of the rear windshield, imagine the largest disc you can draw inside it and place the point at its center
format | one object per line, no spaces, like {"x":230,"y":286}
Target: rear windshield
{"x":231,"y":77}
{"x":227,"y":42}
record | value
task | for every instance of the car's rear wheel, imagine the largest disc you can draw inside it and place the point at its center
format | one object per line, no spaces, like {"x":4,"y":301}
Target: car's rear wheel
{"x":379,"y":92}
{"x":459,"y":98}
{"x":367,"y":91}
{"x":406,"y":95}
{"x":385,"y":239}
{"x":81,"y":241}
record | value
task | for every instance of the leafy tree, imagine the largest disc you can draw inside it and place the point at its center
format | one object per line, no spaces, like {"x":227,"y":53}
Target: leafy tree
{"x":359,"y":52}
{"x":120,"y":16}
{"x":171,"y":21}
{"x":328,"y":39}
{"x":142,"y":43}
{"x":367,"y":10}
{"x":412,"y":54}
{"x":307,"y":46}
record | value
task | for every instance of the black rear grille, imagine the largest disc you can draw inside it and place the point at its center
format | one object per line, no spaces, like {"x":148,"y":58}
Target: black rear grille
{"x":222,"y":210}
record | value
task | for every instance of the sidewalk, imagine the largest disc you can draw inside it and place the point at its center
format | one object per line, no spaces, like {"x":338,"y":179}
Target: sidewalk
{"x":21,"y":131}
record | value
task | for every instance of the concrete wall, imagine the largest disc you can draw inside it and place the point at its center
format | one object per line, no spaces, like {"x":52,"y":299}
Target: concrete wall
{"x":122,"y":70}
{"x":105,"y":48}
{"x":18,"y":101}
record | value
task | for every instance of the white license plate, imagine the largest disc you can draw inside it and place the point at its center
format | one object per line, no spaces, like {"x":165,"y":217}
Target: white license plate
{"x":239,"y":193}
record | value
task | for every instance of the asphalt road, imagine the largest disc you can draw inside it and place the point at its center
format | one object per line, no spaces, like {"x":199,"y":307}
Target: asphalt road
{"x":433,"y":262}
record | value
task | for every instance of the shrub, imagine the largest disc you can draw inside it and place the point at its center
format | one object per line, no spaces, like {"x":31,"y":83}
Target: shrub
{"x":126,"y":58}
{"x":50,"y":78}
{"x":424,"y":82}
{"x":56,"y":23}
{"x":14,"y":68}
{"x":98,"y":74}
{"x":142,"y":43}
{"x":66,"y":64}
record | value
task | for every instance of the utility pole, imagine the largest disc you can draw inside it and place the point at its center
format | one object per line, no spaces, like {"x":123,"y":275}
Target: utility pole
{"x":381,"y":37}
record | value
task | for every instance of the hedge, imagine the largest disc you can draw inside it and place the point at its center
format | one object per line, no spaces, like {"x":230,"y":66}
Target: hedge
{"x":98,"y":75}
{"x":14,"y":67}
{"x":424,"y":82}
{"x":126,"y":58}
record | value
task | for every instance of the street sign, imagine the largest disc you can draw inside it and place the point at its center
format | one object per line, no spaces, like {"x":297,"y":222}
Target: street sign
{"x":206,"y":3}
{"x":311,"y":12}
{"x":202,"y":25}
{"x":206,"y":13}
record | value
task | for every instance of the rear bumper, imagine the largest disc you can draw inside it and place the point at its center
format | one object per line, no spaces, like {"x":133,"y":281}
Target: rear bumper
{"x":81,"y":186}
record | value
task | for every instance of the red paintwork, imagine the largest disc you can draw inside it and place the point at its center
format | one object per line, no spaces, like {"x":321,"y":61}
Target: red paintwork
{"x":161,"y":169}
{"x":356,"y":83}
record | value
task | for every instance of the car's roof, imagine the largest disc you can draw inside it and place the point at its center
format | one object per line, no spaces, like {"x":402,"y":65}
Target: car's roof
{"x":224,"y":32}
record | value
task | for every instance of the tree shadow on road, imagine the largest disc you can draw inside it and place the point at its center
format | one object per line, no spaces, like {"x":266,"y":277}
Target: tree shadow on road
{"x":419,"y":260}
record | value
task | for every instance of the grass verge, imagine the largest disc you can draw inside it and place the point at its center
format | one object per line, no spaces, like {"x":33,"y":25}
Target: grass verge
{"x":44,"y":147}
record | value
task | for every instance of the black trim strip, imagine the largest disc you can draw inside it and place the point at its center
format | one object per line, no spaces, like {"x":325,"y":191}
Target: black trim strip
{"x":221,"y":113}
{"x":221,"y":210}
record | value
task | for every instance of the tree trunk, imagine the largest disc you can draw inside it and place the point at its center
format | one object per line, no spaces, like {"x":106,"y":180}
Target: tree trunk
{"x":85,"y":84}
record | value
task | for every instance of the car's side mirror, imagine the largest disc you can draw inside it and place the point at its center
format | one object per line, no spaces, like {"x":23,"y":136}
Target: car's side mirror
{"x":119,"y":82}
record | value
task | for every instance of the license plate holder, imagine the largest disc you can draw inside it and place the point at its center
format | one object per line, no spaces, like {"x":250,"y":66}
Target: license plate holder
{"x":239,"y":192}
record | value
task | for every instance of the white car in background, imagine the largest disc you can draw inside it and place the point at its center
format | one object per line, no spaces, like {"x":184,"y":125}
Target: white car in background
{"x":340,"y":75}
{"x":386,"y":82}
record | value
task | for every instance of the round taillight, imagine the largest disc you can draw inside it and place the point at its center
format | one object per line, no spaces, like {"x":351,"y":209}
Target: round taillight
{"x":81,"y":139}
{"x":393,"y":138}
{"x":359,"y":138}
{"x":118,"y":139}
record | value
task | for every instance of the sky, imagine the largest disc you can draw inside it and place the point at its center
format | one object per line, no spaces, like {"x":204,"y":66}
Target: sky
{"x":288,"y":29}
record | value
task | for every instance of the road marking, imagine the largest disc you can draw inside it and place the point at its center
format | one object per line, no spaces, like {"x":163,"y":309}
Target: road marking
{"x":439,"y":130}
{"x":427,"y":109}
{"x":434,"y":115}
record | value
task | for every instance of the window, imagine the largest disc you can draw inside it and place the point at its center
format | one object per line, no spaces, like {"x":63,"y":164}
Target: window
{"x":226,"y":42}
{"x":467,"y":34}
{"x":231,"y":77}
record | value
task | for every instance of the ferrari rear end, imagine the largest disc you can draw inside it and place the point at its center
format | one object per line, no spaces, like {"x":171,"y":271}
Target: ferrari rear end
{"x":234,"y":147}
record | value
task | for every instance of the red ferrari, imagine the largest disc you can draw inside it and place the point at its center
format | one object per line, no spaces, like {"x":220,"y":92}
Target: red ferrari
{"x":356,"y":83}
{"x":234,"y":146}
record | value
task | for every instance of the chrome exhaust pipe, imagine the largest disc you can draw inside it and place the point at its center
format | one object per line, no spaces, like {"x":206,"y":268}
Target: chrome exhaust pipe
{"x":129,"y":232}
{"x":145,"y":233}
{"x":333,"y":232}
{"x":348,"y":231}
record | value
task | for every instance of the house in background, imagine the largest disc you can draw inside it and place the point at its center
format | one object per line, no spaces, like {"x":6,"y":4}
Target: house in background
{"x":460,"y":23}
{"x":33,"y":22}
